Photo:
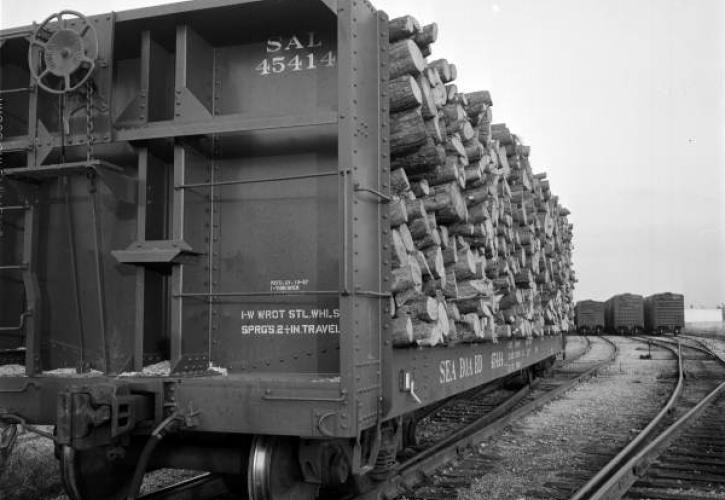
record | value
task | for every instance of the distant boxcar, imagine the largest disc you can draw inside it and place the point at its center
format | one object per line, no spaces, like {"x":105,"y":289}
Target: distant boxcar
{"x":589,"y":316}
{"x":624,"y":314}
{"x":664,"y":312}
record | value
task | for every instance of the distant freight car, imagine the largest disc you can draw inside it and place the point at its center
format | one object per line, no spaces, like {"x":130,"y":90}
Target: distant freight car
{"x":664,"y":312}
{"x":589,"y":316}
{"x":624,"y":314}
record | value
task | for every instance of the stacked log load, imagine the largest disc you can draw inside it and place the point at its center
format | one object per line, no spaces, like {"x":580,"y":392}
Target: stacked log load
{"x":481,"y":248}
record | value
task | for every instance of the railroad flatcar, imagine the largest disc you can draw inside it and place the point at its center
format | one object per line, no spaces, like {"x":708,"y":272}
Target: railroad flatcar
{"x":194,"y":228}
{"x":589,"y":315}
{"x":624,"y":314}
{"x":664,"y":312}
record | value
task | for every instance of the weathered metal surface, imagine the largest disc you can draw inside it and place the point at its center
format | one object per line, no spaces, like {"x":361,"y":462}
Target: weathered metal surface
{"x":624,"y":313}
{"x":589,"y":314}
{"x":242,"y":225}
{"x":440,"y":373}
{"x":664,"y":312}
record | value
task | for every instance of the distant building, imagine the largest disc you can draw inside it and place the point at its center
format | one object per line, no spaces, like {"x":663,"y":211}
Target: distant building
{"x":703,"y":315}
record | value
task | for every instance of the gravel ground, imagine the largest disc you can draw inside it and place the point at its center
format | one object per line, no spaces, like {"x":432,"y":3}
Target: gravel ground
{"x":552,"y":446}
{"x":32,"y":472}
{"x":717,"y":344}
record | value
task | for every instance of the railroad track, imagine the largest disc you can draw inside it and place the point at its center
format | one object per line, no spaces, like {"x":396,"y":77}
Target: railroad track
{"x":455,"y":415}
{"x":417,"y":477}
{"x":452,"y":416}
{"x":681,"y":454}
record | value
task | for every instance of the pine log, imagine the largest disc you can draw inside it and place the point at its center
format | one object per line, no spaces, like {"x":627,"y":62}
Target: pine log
{"x":453,"y":112}
{"x":428,"y":102}
{"x":445,"y":236}
{"x":405,"y":59}
{"x":398,"y":253}
{"x":420,"y":188}
{"x":438,"y":91}
{"x":424,"y":159}
{"x":415,"y":209}
{"x":399,"y":182}
{"x":482,"y":96}
{"x":407,"y":132}
{"x":473,"y":173}
{"x":474,"y":149}
{"x":397,"y":213}
{"x":444,"y":323}
{"x":450,"y":254}
{"x":423,"y":307}
{"x":423,"y":263}
{"x":478,"y":213}
{"x":427,"y":35}
{"x":420,"y":228}
{"x":401,"y":331}
{"x":448,"y":203}
{"x":406,"y":277}
{"x":434,"y":129}
{"x":402,"y":27}
{"x":444,"y":69}
{"x":455,"y":145}
{"x":434,"y":257}
{"x":405,"y":93}
{"x":469,"y":328}
{"x":475,"y":288}
{"x":463,"y":128}
{"x":407,"y":238}
{"x":465,"y":265}
{"x":454,"y":314}
{"x":429,"y":240}
{"x":427,"y":334}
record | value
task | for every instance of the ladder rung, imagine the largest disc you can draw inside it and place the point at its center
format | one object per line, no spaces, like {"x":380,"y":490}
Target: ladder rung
{"x":15,"y":90}
{"x":13,"y":267}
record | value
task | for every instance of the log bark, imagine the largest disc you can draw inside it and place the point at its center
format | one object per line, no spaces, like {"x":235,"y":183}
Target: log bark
{"x":397,"y":213}
{"x":424,"y":159}
{"x":420,"y":188}
{"x":434,"y":257}
{"x":434,"y":129}
{"x":405,"y":93}
{"x":428,"y":102}
{"x":444,"y":70}
{"x":399,"y":182}
{"x":407,"y":238}
{"x":426,"y":334}
{"x":402,"y":27}
{"x":401,"y":331}
{"x":398,"y":252}
{"x":405,"y":59}
{"x":407,"y":132}
{"x":423,"y":307}
{"x":427,"y":35}
{"x":407,"y":277}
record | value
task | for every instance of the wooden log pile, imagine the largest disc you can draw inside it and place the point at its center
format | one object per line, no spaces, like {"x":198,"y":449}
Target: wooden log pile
{"x":481,"y":248}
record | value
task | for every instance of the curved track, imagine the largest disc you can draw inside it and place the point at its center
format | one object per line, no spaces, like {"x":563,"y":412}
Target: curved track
{"x":414,"y":477}
{"x":681,"y":454}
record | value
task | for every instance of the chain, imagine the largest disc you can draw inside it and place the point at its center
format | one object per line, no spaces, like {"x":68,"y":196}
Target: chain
{"x":89,"y":120}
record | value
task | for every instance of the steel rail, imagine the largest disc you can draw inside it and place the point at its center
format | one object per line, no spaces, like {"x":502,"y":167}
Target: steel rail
{"x":605,"y":472}
{"x":617,"y":477}
{"x":411,"y":471}
{"x":203,"y":486}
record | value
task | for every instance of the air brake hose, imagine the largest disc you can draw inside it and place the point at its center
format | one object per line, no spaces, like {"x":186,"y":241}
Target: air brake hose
{"x":167,"y":426}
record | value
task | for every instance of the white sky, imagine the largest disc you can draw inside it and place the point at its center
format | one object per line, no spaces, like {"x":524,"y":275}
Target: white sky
{"x":623,"y":103}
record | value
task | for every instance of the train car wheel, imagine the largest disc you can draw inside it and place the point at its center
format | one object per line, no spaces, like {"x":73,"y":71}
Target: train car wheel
{"x":93,"y":475}
{"x":274,"y":471}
